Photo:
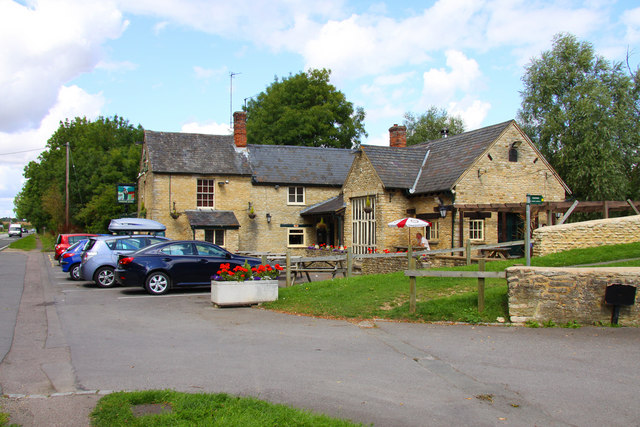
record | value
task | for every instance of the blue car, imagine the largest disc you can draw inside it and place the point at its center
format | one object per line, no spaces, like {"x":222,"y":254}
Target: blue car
{"x":174,"y":264}
{"x":71,"y":258}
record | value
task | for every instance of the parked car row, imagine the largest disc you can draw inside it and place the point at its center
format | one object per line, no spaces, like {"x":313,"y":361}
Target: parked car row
{"x":155,"y":263}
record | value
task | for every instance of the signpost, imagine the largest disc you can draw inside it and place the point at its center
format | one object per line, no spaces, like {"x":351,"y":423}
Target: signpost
{"x":532,"y":199}
{"x":126,"y":195}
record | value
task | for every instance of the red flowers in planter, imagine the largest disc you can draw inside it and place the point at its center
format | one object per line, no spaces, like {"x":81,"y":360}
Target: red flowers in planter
{"x":241,"y":273}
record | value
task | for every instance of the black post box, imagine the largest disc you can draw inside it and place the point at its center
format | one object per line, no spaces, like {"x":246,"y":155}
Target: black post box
{"x":617,"y":295}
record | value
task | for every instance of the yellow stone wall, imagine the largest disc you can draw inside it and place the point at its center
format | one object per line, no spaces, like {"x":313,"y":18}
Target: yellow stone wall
{"x":163,"y":190}
{"x":586,"y":234}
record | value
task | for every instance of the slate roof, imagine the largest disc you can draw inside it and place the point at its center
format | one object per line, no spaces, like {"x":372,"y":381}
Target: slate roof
{"x":173,"y":152}
{"x":287,"y":164}
{"x":448,"y":159}
{"x":203,"y":219}
{"x":331,"y":205}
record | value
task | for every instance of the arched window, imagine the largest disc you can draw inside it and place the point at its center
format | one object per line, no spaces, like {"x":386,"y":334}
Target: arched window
{"x":513,"y":151}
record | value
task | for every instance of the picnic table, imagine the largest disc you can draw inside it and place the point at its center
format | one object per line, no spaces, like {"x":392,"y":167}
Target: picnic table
{"x":502,"y":253}
{"x":305,"y":265}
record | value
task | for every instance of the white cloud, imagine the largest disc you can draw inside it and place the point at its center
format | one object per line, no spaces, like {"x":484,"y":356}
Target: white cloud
{"x":71,"y":102}
{"x":211,"y":128}
{"x":44,"y":46}
{"x":121,"y":66}
{"x":160,"y":27}
{"x":207,"y":73}
{"x":631,"y":20}
{"x":441,"y":85}
{"x":472,"y":112}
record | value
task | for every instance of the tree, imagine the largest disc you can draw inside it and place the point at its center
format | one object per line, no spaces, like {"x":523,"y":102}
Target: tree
{"x":582,"y":113}
{"x":103,"y":154}
{"x":304,"y":109}
{"x":429,"y":125}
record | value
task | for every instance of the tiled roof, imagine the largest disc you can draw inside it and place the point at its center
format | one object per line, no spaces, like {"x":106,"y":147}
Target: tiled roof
{"x":174,"y":152}
{"x":332,"y":205}
{"x":448,"y":159}
{"x":203,"y":219}
{"x":287,"y":164}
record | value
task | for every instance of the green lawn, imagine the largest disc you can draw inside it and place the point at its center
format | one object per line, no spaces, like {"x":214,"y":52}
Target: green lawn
{"x":184,"y":409}
{"x":27,"y":243}
{"x":386,"y":296}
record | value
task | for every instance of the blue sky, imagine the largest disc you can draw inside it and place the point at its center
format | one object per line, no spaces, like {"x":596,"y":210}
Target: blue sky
{"x":165,"y":64}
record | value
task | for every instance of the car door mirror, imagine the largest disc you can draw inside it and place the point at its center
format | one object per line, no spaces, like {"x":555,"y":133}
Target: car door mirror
{"x":227,"y":255}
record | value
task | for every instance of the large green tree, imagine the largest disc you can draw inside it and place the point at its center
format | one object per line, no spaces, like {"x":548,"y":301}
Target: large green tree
{"x":304,"y":109}
{"x":582,"y":112}
{"x":430,"y":124}
{"x":103,"y":153}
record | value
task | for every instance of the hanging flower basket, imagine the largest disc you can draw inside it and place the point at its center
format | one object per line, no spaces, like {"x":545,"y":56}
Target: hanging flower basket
{"x":321,"y":225}
{"x":367,"y":206}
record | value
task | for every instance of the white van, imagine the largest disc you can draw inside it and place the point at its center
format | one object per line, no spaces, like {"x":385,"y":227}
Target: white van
{"x":15,"y":230}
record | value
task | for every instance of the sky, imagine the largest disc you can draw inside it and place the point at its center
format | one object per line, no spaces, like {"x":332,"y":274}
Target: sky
{"x":186,"y":65}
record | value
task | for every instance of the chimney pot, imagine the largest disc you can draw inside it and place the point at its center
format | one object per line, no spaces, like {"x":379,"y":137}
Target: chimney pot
{"x":398,"y":136}
{"x":240,"y":128}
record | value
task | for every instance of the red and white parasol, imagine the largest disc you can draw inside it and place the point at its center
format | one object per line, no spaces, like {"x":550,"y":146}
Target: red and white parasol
{"x":409,"y":222}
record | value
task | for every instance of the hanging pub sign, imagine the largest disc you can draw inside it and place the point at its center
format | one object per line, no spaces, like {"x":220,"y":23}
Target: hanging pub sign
{"x":126,"y":193}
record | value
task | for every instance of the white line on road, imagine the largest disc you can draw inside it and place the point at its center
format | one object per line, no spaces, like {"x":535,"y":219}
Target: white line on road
{"x":164,"y":296}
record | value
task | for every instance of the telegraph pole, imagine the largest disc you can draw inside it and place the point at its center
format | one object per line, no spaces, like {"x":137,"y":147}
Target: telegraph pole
{"x":66,"y":188}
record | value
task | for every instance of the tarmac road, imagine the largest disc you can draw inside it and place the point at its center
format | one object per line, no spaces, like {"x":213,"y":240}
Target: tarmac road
{"x":71,"y":338}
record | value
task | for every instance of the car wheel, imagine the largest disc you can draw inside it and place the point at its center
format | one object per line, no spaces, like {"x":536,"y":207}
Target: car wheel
{"x":74,"y":272}
{"x":104,"y":277}
{"x":157,"y":283}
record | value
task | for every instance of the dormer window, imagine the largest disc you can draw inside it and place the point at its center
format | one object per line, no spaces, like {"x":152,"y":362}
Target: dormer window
{"x":513,"y":151}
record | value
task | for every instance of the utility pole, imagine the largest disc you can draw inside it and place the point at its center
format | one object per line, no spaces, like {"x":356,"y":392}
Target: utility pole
{"x":66,"y":188}
{"x":231,"y":74}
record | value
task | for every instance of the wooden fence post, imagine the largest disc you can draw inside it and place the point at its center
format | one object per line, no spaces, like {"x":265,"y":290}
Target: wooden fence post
{"x":288,"y":265}
{"x":412,"y":281}
{"x":481,"y":287}
{"x":349,"y":262}
{"x":467,"y":250}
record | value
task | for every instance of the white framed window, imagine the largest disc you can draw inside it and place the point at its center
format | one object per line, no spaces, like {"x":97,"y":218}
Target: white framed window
{"x":296,"y":196}
{"x":363,"y":223}
{"x":214,"y":236}
{"x":295,"y":237}
{"x":434,"y":230}
{"x":476,"y":229}
{"x":205,"y":193}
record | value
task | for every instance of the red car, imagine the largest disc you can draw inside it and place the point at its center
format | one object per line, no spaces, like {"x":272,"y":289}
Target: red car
{"x":65,"y":240}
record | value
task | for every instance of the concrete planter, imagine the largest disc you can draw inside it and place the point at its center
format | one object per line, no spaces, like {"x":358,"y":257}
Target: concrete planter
{"x":243,"y":293}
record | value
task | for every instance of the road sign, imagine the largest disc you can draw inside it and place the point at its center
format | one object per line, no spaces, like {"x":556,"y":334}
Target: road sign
{"x":535,"y":199}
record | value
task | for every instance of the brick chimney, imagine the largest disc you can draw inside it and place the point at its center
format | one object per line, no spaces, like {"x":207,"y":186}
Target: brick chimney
{"x":240,"y":128}
{"x":397,"y":136}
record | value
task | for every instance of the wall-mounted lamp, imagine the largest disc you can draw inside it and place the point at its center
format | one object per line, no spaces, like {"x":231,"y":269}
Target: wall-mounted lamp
{"x":268,"y":218}
{"x":221,"y":183}
{"x":443,"y":211}
{"x":277,"y":186}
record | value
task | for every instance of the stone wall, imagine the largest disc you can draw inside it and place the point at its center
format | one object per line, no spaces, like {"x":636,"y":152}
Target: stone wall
{"x":568,"y":294}
{"x":586,"y":234}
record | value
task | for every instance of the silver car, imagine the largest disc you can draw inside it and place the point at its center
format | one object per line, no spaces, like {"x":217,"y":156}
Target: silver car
{"x":100,"y":255}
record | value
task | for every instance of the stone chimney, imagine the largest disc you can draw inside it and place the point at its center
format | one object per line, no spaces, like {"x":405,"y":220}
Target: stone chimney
{"x":240,"y":128}
{"x":397,"y":136}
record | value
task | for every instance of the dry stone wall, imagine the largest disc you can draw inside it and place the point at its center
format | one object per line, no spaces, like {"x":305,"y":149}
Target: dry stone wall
{"x":586,"y":234}
{"x":568,"y":294}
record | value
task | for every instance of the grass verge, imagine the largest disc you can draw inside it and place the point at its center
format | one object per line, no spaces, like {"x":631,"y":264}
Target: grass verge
{"x":26,"y":243}
{"x":48,"y":241}
{"x":386,"y":296}
{"x":171,"y":408}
